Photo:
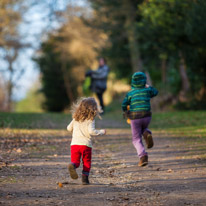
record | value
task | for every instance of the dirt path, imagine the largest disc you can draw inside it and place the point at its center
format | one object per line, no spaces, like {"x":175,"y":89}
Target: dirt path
{"x":176,"y":174}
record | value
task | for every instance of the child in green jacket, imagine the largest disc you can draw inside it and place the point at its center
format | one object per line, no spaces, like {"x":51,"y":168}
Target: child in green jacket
{"x":138,"y":100}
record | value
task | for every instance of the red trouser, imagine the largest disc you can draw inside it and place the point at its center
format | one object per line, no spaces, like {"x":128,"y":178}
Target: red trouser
{"x":78,"y":151}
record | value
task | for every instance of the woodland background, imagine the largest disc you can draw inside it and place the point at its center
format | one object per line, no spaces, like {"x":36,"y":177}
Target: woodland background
{"x":165,"y":39}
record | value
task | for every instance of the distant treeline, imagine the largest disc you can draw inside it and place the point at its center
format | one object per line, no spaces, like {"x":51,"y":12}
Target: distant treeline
{"x":164,"y":38}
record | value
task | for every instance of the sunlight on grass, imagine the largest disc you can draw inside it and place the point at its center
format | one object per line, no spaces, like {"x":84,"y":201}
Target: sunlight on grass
{"x":189,"y":131}
{"x":185,"y":121}
{"x":32,"y":133}
{"x":34,"y":120}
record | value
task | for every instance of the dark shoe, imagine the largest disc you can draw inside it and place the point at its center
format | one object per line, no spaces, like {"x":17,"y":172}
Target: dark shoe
{"x":143,"y":161}
{"x":148,"y":139}
{"x":85,"y":180}
{"x":72,"y":171}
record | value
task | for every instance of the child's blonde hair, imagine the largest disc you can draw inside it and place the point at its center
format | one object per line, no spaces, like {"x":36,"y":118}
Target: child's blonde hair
{"x":85,"y":109}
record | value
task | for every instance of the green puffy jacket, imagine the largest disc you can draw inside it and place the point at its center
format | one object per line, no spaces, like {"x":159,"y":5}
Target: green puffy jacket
{"x":139,"y":97}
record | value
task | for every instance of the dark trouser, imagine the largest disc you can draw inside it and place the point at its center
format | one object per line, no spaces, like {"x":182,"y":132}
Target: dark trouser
{"x":138,"y":127}
{"x":100,"y":97}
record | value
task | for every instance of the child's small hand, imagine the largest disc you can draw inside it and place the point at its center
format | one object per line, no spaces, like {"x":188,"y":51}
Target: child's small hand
{"x":147,"y":85}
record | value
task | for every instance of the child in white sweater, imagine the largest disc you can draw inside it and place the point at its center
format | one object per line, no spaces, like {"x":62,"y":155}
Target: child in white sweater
{"x":82,"y":128}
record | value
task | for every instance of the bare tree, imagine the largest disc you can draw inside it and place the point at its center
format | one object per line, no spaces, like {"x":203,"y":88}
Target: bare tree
{"x":11,"y":54}
{"x":10,"y":42}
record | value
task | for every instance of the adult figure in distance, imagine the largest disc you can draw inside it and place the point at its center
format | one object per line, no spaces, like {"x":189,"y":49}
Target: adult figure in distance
{"x":99,"y":80}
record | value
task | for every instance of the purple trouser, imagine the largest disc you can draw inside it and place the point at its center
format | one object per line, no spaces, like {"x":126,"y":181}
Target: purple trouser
{"x":138,"y":127}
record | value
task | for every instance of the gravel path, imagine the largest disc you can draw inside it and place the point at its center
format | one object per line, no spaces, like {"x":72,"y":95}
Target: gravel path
{"x":176,"y":174}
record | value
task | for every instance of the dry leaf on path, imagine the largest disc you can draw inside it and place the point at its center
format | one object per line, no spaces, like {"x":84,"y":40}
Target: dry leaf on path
{"x":19,"y":150}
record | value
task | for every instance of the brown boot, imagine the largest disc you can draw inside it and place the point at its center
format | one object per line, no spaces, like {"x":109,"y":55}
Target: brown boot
{"x":148,"y":139}
{"x":143,"y":161}
{"x":85,"y":180}
{"x":72,"y":171}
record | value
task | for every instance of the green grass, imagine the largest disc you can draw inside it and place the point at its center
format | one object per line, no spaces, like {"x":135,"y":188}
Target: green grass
{"x":8,"y":180}
{"x":179,"y":119}
{"x":34,"y":120}
{"x":186,"y":120}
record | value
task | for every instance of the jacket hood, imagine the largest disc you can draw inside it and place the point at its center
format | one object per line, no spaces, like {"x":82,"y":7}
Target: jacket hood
{"x":139,"y":80}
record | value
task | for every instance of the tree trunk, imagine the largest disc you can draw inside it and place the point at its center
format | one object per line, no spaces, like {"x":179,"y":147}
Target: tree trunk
{"x":149,"y":81}
{"x":9,"y":101}
{"x":132,"y":36}
{"x":163,"y":70}
{"x":66,"y":79}
{"x":184,"y":78}
{"x":10,"y":83}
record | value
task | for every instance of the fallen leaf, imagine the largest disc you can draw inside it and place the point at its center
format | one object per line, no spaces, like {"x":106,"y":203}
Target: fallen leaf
{"x":169,"y":170}
{"x":19,"y":150}
{"x":126,"y":198}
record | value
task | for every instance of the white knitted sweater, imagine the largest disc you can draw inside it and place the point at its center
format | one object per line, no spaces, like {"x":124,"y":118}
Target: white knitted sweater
{"x":82,"y":132}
